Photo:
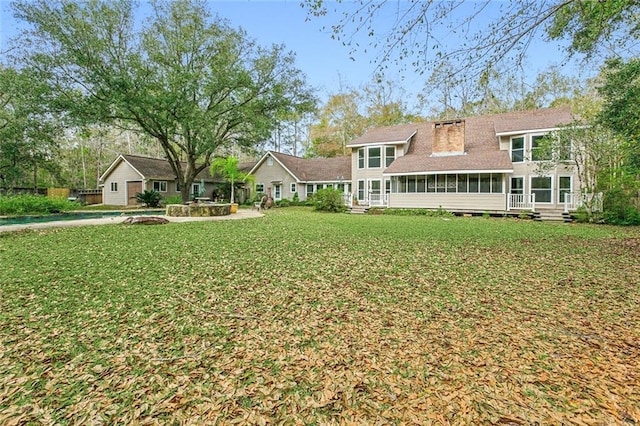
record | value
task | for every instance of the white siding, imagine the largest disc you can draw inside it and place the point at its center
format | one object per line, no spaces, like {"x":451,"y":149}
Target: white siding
{"x":455,"y":202}
{"x":121,"y":174}
{"x":266,"y":174}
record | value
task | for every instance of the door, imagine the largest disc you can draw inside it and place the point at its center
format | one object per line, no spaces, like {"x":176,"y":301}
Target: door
{"x":277,"y":191}
{"x":375,"y":192}
{"x":133,"y":188}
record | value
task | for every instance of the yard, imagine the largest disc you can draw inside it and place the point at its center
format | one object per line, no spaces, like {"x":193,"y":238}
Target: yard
{"x":303,"y":317}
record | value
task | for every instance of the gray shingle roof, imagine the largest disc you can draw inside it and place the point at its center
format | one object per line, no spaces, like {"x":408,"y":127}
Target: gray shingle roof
{"x":386,"y":134}
{"x":159,"y":168}
{"x":316,"y":169}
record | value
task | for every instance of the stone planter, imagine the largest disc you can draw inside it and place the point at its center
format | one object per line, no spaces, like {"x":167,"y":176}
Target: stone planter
{"x":198,"y":210}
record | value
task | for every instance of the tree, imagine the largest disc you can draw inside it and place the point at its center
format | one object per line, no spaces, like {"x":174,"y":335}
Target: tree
{"x":184,"y":78}
{"x":27,"y":131}
{"x":476,"y":35}
{"x":620,"y":112}
{"x":228,"y":169}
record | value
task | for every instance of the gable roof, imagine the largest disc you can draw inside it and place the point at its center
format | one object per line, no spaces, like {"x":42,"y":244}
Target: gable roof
{"x":389,"y":134}
{"x":311,"y":169}
{"x":526,"y":121}
{"x":150,"y":168}
{"x":481,"y":146}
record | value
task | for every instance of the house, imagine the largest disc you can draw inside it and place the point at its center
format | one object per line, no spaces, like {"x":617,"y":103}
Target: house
{"x":478,"y":164}
{"x":128,"y":175}
{"x":283,"y":176}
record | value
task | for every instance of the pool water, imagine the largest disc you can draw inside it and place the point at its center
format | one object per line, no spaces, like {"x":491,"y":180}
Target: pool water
{"x":21,"y":220}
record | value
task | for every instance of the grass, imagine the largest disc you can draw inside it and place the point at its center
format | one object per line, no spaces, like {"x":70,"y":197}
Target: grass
{"x":303,"y":317}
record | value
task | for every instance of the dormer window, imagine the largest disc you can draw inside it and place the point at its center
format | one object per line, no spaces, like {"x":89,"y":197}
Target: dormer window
{"x":269,"y":161}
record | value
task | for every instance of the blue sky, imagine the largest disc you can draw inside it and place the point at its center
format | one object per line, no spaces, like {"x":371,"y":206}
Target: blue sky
{"x":325,"y":61}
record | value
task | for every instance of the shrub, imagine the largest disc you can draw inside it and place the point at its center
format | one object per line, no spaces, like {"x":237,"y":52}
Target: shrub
{"x":619,"y":209}
{"x":440,"y":212}
{"x":173,"y":199}
{"x":149,"y":198}
{"x":283,"y":203}
{"x":296,"y":199}
{"x":26,"y":204}
{"x":329,"y":200}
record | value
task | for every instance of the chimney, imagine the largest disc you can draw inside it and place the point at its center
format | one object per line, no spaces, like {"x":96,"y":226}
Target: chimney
{"x":448,"y":138}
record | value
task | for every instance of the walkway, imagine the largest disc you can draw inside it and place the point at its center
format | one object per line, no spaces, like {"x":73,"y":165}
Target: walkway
{"x":241,"y":214}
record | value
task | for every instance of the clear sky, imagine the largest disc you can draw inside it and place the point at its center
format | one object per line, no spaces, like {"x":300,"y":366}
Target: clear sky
{"x":325,"y":61}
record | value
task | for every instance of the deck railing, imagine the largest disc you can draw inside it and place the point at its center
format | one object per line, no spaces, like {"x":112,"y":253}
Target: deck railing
{"x":573,"y":201}
{"x":521,"y":202}
{"x":378,"y":200}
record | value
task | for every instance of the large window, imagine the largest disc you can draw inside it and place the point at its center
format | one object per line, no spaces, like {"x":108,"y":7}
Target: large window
{"x":517,"y":149}
{"x":361,"y":158}
{"x":541,"y":186}
{"x":517,"y":185}
{"x":375,"y":159}
{"x":389,"y":155}
{"x":160,"y":186}
{"x":540,"y":149}
{"x":564,"y":188}
{"x":488,"y":183}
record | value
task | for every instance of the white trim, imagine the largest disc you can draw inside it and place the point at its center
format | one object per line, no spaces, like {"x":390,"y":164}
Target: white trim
{"x":560,"y":176}
{"x":115,"y":163}
{"x":447,"y":172}
{"x":368,"y":158}
{"x":523,"y":132}
{"x":550,"y":189}
{"x":293,"y":187}
{"x":264,"y":157}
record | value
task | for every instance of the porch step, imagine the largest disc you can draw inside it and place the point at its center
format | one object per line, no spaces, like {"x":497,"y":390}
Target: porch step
{"x":552,"y":216}
{"x":359,"y":209}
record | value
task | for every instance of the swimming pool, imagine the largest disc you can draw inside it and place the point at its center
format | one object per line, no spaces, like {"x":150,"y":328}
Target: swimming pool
{"x":21,"y":220}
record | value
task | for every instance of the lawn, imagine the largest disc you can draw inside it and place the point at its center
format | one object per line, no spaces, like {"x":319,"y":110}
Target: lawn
{"x":303,"y":318}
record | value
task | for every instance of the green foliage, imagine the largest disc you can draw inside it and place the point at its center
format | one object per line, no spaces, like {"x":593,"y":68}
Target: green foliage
{"x":296,"y":199}
{"x":283,"y":203}
{"x":621,"y":206}
{"x":149,"y":198}
{"x":227,"y":168}
{"x":173,"y":199}
{"x":329,"y":200}
{"x":34,"y":204}
{"x":621,"y":109}
{"x":183,"y":77}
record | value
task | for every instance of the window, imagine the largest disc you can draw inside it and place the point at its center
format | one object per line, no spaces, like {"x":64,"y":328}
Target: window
{"x":389,"y":155}
{"x":360,"y":190}
{"x":485,"y":182}
{"x":451,"y":183}
{"x":269,"y":161}
{"x":474,"y":183}
{"x":387,"y":186}
{"x":540,"y":149}
{"x":293,"y":188}
{"x":421,"y":183}
{"x":564,"y":188}
{"x":114,"y":186}
{"x":431,"y":183}
{"x":403,"y":184}
{"x":160,"y":186}
{"x":517,"y":185}
{"x":178,"y":187}
{"x":440,"y":183}
{"x":309,"y":189}
{"x":411,"y":184}
{"x":496,"y":183}
{"x":541,"y":186}
{"x":517,"y":149}
{"x":259,"y":188}
{"x":361,"y":158}
{"x":196,"y":190}
{"x":462,"y":183}
{"x":374,"y":157}
{"x":564,"y":150}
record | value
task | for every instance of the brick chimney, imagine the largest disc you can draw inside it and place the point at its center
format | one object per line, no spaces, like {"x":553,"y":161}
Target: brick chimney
{"x":448,"y":138}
